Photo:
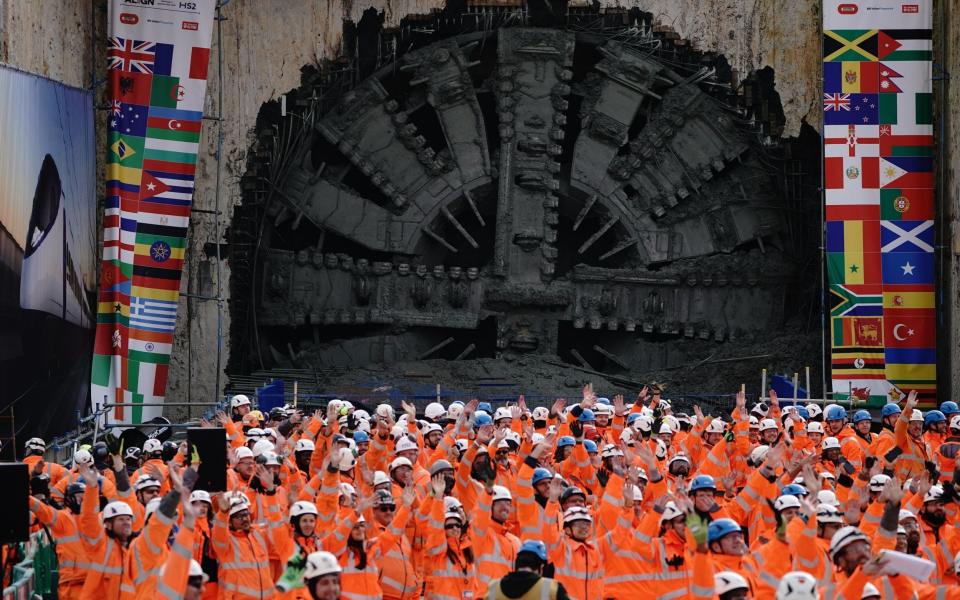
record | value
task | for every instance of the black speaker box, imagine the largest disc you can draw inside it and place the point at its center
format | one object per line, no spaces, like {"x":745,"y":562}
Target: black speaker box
{"x":14,"y":503}
{"x":211,"y":444}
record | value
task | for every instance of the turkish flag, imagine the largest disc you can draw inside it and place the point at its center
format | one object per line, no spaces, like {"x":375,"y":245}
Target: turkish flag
{"x":905,"y":329}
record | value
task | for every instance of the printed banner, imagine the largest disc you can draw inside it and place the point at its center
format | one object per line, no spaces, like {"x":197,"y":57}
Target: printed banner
{"x":157,"y":57}
{"x":48,"y":254}
{"x":878,"y":190}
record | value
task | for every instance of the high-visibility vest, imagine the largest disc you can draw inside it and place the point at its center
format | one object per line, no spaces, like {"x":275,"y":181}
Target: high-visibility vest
{"x":947,"y":455}
{"x":578,"y":567}
{"x":244,"y":572}
{"x":171,"y":584}
{"x":142,"y":562}
{"x":397,"y":576}
{"x":71,"y":557}
{"x":543,"y":589}
{"x":356,"y":583}
{"x":105,"y":555}
{"x":55,"y":471}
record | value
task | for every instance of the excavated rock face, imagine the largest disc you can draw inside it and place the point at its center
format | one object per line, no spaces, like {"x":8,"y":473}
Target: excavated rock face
{"x":509,"y":192}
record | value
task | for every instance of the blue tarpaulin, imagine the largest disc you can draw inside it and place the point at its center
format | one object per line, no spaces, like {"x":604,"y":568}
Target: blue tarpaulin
{"x":270,"y":396}
{"x":783,"y":386}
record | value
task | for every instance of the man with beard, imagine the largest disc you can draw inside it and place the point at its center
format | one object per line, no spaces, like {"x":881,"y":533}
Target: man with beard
{"x":911,"y":526}
{"x":862,"y":421}
{"x":911,"y":447}
{"x":933,"y":546}
{"x":678,"y":467}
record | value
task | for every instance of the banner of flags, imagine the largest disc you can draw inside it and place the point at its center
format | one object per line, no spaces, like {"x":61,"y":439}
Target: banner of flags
{"x":878,"y":190}
{"x":157,"y":60}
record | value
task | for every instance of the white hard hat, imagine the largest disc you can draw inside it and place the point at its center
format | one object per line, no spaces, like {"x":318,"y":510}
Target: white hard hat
{"x":200,"y":496}
{"x":628,"y":435}
{"x":665,"y":429}
{"x":117,"y":509}
{"x":758,"y":453}
{"x":404,"y":444}
{"x":145,"y":481}
{"x":502,"y":413}
{"x":152,"y":445}
{"x":827,"y":513}
{"x":728,"y":581}
{"x":537,"y":438}
{"x":670,"y":512}
{"x":878,"y":481}
{"x":238,"y":503}
{"x":604,"y":409}
{"x":400,"y":461}
{"x":239,"y":400}
{"x":347,"y":460}
{"x":435,"y":411}
{"x":716,"y":426}
{"x":827,"y":497}
{"x":643,"y":423}
{"x":955,"y":424}
{"x":455,"y":410}
{"x":754,"y":422}
{"x":786,"y":501}
{"x":815,"y":427}
{"x":576,"y":513}
{"x":151,"y":507}
{"x":270,"y":459}
{"x":906,"y":514}
{"x":304,"y":445}
{"x":302,"y":507}
{"x":35,"y":444}
{"x":243,"y":452}
{"x":83,"y":457}
{"x":672,"y":422}
{"x":271,"y":432}
{"x":916,"y":415}
{"x":830,"y":443}
{"x":431,"y":427}
{"x":380,"y":478}
{"x":346,"y":489}
{"x":871,"y":591}
{"x":797,"y":585}
{"x":934,"y":494}
{"x":450,"y":503}
{"x":319,"y":564}
{"x":540,"y":413}
{"x":814,"y":410}
{"x":844,"y":537}
{"x":197,"y":571}
{"x":452,"y":514}
{"x":637,"y":493}
{"x":766,"y":424}
{"x":678,"y":457}
{"x":611,"y":450}
{"x":254,"y":433}
{"x":262,"y":446}
{"x":384,"y":410}
{"x":501,"y":493}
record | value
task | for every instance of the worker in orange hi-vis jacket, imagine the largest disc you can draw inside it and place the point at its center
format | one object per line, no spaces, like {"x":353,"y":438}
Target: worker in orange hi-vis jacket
{"x":180,"y":577}
{"x":64,"y":528}
{"x":576,"y":558}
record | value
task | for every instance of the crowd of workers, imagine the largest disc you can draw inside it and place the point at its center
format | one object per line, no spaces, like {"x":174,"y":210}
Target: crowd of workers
{"x":589,"y":500}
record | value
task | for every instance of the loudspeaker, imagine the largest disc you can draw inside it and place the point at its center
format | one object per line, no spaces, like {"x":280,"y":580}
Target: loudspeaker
{"x":14,"y":503}
{"x":211,"y":444}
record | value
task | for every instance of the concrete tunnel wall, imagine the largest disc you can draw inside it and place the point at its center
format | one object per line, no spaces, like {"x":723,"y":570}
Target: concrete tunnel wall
{"x":266,"y":42}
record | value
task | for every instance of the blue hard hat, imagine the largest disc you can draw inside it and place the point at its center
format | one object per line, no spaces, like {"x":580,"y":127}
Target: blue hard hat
{"x":603,"y":401}
{"x":485,"y":407}
{"x":861,"y":415}
{"x":360,"y":437}
{"x":949,"y":408}
{"x":566,"y":440}
{"x":586,"y":416}
{"x":590,"y":446}
{"x":482,"y":419}
{"x":889,"y":409}
{"x":703,"y":482}
{"x":803,"y":412}
{"x":534,"y":547}
{"x":793,"y":489}
{"x":539,"y":474}
{"x":835,"y":413}
{"x":934,"y":416}
{"x":633,"y":417}
{"x":721,"y":527}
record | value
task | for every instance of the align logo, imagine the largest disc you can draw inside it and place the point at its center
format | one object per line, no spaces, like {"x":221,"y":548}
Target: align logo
{"x":190,"y":25}
{"x":129,"y":18}
{"x":910,"y":8}
{"x":847,"y":9}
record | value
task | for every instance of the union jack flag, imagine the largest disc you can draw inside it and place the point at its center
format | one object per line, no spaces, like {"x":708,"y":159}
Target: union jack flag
{"x":131,"y":55}
{"x":116,"y":107}
{"x":836,"y":102}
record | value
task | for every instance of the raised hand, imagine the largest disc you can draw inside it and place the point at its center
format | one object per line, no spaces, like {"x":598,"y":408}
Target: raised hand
{"x":643,"y":395}
{"x":522,"y":403}
{"x":699,"y":413}
{"x":154,"y":471}
{"x":772,"y":394}
{"x":222,"y":418}
{"x":515,"y":412}
{"x":911,"y":402}
{"x":619,"y":408}
{"x":893,"y":491}
{"x":556,"y":488}
{"x":558,"y":405}
{"x":365,"y":504}
{"x":88,"y":474}
{"x":266,"y":477}
{"x":437,"y":485}
{"x":589,"y":398}
{"x":410,"y":410}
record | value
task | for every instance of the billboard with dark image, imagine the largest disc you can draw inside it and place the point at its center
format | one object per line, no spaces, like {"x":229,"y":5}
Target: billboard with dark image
{"x":48,"y":240}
